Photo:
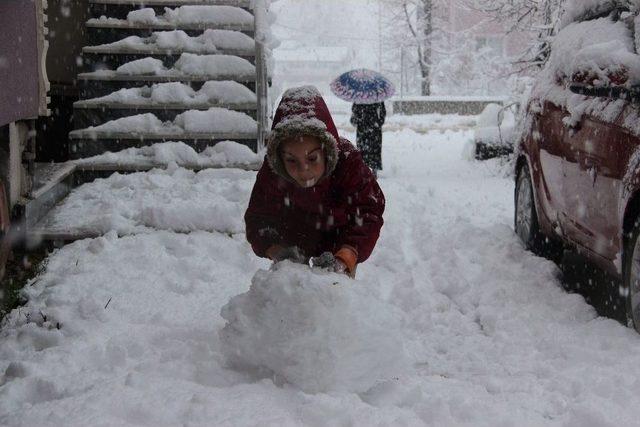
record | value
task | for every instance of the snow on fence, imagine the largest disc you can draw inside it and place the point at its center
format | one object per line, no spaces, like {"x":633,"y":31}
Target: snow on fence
{"x":463,"y":105}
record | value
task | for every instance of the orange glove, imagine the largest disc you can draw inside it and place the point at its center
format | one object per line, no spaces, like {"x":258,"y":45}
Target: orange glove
{"x":349,"y":257}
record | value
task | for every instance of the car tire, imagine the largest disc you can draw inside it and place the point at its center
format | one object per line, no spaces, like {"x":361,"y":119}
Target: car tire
{"x":631,"y":276}
{"x":526,"y":222}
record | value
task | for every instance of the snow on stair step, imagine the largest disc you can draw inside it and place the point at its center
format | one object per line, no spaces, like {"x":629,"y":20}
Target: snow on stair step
{"x":173,"y":94}
{"x":174,"y":3}
{"x":177,"y":42}
{"x":182,"y":18}
{"x":189,"y":67}
{"x":213,"y":120}
{"x":166,"y":100}
{"x":198,"y":129}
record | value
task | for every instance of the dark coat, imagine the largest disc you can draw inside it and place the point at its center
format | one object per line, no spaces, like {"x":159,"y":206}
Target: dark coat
{"x":345,"y":207}
{"x":368,"y":120}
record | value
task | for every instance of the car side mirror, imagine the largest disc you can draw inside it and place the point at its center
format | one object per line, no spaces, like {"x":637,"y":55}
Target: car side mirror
{"x":613,"y":92}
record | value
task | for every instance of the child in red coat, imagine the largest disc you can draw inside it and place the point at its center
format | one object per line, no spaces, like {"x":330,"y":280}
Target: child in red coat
{"x":314,"y":197}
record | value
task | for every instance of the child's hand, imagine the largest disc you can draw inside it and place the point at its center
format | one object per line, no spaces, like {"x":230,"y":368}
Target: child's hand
{"x":329,"y":262}
{"x":292,"y":253}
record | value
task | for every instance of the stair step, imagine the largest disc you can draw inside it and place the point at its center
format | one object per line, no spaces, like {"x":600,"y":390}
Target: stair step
{"x":97,"y":61}
{"x":246,"y":4}
{"x":89,"y":104}
{"x":95,"y":114}
{"x":180,"y":18}
{"x":155,"y":51}
{"x":83,"y":144}
{"x":112,"y":76}
{"x":96,"y":135}
{"x":89,"y":89}
{"x":123,"y":25}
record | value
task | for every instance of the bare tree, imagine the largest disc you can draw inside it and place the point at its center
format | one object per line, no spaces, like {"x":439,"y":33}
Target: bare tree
{"x":411,"y":23}
{"x":537,"y":17}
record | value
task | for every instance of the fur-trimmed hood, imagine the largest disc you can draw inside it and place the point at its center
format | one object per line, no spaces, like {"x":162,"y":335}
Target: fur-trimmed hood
{"x":302,"y":111}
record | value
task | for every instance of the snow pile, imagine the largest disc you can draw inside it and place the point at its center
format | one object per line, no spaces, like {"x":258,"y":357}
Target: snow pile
{"x":213,"y":120}
{"x":163,"y":154}
{"x":219,"y":92}
{"x":139,"y":124}
{"x":312,"y":329}
{"x":221,"y":15}
{"x":183,"y":15}
{"x":174,"y":199}
{"x":208,"y":42}
{"x":189,"y":64}
{"x":495,"y":126}
{"x":144,"y":66}
{"x":212,"y":65}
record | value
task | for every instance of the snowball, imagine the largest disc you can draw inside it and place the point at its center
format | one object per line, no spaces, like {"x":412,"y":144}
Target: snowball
{"x":318,"y":331}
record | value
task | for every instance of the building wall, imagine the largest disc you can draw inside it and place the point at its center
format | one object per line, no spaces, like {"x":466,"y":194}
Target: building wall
{"x":19,"y":73}
{"x":67,"y":36}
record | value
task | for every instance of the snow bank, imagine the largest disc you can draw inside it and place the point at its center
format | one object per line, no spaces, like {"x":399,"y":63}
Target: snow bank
{"x":312,"y":328}
{"x":188,"y":64}
{"x":183,"y":15}
{"x":174,"y":199}
{"x":495,"y":126}
{"x":213,"y":120}
{"x":221,"y":92}
{"x":163,"y":154}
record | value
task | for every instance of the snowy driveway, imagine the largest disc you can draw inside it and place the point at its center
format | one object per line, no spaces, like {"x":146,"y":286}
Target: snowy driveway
{"x":492,"y":337}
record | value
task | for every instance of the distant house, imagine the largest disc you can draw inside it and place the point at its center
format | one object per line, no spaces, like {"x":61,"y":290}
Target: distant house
{"x":472,"y":54}
{"x":310,"y":65}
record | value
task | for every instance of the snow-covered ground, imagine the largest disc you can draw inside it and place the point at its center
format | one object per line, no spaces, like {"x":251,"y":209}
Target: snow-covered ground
{"x":128,"y":330}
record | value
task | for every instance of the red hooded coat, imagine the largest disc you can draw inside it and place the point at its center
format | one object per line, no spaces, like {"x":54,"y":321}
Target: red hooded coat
{"x":345,"y":206}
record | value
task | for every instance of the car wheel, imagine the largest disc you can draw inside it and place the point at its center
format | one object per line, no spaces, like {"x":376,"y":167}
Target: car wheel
{"x":631,"y":276}
{"x":526,"y":217}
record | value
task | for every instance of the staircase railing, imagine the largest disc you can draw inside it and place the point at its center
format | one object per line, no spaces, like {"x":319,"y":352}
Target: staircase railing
{"x":262,"y":78}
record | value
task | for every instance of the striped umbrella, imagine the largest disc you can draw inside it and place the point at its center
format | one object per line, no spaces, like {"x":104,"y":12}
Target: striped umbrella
{"x":362,"y":86}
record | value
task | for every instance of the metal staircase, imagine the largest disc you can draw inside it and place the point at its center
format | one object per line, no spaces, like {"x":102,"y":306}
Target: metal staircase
{"x":140,"y":49}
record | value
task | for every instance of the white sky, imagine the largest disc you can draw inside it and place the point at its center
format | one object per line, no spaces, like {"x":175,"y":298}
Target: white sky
{"x":328,"y":23}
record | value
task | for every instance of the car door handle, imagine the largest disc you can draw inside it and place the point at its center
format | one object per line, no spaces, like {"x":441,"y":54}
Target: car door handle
{"x":591,"y":165}
{"x":590,"y":162}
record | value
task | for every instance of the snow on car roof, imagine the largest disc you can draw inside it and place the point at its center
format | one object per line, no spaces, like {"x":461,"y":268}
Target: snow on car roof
{"x":577,"y":10}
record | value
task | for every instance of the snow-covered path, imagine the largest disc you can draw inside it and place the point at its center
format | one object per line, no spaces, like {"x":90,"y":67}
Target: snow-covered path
{"x":492,"y":337}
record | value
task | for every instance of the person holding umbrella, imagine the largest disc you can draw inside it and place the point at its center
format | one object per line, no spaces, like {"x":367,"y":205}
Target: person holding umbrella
{"x":367,"y":90}
{"x":368,"y":120}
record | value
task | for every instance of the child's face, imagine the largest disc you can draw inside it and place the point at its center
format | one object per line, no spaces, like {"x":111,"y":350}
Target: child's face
{"x":304,"y":159}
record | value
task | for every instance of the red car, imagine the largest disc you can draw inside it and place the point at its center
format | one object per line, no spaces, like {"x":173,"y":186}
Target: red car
{"x":578,"y":159}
